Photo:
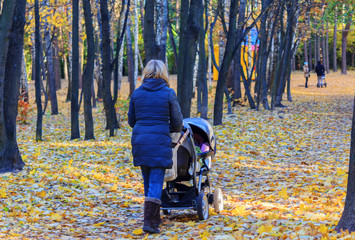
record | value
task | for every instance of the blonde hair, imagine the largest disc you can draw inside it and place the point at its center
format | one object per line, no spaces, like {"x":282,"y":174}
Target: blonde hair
{"x":155,"y":69}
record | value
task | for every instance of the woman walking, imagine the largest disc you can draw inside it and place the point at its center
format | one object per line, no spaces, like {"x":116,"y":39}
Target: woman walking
{"x":153,"y":113}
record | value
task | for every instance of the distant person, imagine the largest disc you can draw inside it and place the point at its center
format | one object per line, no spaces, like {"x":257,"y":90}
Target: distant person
{"x":153,"y":113}
{"x":306,"y":73}
{"x":320,"y":70}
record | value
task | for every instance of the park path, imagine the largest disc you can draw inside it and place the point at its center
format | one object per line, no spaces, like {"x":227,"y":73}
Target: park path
{"x":283,"y":174}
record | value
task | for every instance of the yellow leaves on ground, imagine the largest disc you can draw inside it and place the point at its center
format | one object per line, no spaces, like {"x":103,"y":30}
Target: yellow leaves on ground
{"x":56,"y":217}
{"x":138,"y":231}
{"x":283,"y":193}
{"x":3,"y":193}
{"x":283,"y":174}
{"x":265,"y":229}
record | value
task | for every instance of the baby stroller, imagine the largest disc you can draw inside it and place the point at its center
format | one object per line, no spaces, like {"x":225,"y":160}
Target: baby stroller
{"x":322,"y":82}
{"x":195,"y":147}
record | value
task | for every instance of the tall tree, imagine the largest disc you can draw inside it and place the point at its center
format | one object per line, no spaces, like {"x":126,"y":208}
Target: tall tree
{"x":347,"y":220}
{"x":106,"y":68}
{"x":88,"y":76}
{"x":50,"y":64}
{"x":335,"y":65}
{"x":38,"y":73}
{"x":155,"y":29}
{"x":75,"y":132}
{"x":344,"y":42}
{"x":10,"y":155}
{"x":227,"y":59}
{"x":202,"y":77}
{"x":5,"y":28}
{"x":150,"y":45}
{"x":130,"y":61}
{"x":189,"y":30}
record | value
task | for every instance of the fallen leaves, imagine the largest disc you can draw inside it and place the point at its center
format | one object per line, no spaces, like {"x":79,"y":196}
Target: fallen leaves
{"x":282,"y":178}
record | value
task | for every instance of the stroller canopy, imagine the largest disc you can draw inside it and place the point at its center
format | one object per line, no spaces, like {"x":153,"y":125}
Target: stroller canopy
{"x":205,"y":127}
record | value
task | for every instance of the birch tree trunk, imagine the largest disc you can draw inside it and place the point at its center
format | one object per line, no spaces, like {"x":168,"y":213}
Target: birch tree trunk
{"x":136,"y":36}
{"x":162,"y":27}
{"x":24,"y":81}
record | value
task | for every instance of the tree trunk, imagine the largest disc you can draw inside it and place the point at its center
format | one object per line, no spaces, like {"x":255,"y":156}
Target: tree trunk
{"x":24,"y":81}
{"x":189,"y":30}
{"x":228,"y":55}
{"x":202,"y":78}
{"x":136,"y":37}
{"x":344,"y":41}
{"x":162,"y":27}
{"x":38,"y":73}
{"x":347,"y":220}
{"x":261,"y":85}
{"x":305,"y":42}
{"x":88,"y":76}
{"x":286,"y":61}
{"x":106,"y":68}
{"x":327,"y":49}
{"x":10,"y":156}
{"x":50,"y":67}
{"x":56,"y":62}
{"x":75,"y":132}
{"x":130,"y":60}
{"x":335,"y":64}
{"x":5,"y":30}
{"x":150,"y":46}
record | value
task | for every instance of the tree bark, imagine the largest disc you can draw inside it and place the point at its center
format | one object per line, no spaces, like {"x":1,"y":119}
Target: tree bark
{"x":130,"y":60}
{"x":347,"y":220}
{"x":202,"y":78}
{"x":88,"y":76}
{"x":150,"y":46}
{"x":56,"y":61}
{"x":75,"y":132}
{"x":228,"y":55}
{"x":50,"y":67}
{"x":335,"y":64}
{"x":189,"y":30}
{"x":10,"y":156}
{"x":106,"y":68}
{"x":38,"y":73}
{"x":5,"y":30}
{"x":24,"y":81}
{"x":344,"y":42}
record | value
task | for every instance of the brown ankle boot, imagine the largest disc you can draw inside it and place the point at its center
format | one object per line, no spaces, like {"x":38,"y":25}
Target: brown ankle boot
{"x":151,"y":211}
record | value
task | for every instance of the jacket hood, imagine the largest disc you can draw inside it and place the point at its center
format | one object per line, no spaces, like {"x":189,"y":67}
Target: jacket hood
{"x":153,"y":84}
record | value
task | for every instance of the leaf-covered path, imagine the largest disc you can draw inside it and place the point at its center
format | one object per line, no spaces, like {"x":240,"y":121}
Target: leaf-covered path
{"x":283,"y":174}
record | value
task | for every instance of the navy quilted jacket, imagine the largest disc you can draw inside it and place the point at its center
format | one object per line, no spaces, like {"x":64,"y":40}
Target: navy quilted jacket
{"x":153,"y":113}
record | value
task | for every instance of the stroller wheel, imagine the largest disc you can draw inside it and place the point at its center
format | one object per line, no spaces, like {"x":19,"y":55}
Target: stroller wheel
{"x":202,"y":207}
{"x":166,"y":212}
{"x":218,"y":200}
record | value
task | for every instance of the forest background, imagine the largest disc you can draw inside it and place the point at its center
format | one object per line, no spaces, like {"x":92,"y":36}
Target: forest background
{"x":222,"y":55}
